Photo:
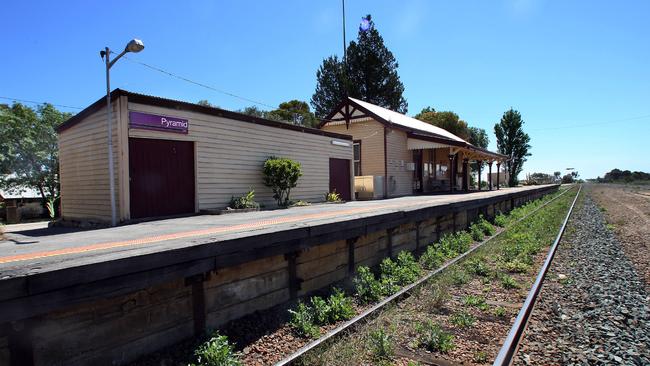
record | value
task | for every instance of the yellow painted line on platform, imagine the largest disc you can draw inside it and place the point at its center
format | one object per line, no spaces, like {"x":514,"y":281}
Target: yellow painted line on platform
{"x":194,"y":233}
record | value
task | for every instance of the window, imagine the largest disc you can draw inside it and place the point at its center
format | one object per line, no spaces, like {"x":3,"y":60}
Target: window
{"x":357,"y":158}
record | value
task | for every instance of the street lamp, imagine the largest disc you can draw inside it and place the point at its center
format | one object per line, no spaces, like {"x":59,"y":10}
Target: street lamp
{"x":134,"y":45}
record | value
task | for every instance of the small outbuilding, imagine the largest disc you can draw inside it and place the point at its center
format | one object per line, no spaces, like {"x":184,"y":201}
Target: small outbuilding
{"x":176,"y":158}
{"x":21,"y":203}
{"x":397,"y":155}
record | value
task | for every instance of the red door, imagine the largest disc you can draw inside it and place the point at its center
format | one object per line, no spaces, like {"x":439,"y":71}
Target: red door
{"x":340,"y":178}
{"x":161,"y":177}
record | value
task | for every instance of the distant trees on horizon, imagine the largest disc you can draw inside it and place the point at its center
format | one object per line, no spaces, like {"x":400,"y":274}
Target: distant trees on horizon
{"x":625,"y":176}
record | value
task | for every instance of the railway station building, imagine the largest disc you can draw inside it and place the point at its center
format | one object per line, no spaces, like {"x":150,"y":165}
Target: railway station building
{"x":397,"y":155}
{"x":175,"y":158}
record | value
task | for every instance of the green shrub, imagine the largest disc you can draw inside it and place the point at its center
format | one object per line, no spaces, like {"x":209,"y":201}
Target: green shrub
{"x":454,"y":244}
{"x":302,"y":321}
{"x":432,"y":258}
{"x":340,"y":306}
{"x":446,"y":246}
{"x":403,"y":271}
{"x":245,"y":201}
{"x":321,"y":310}
{"x":281,"y":175}
{"x":477,"y":301}
{"x":433,"y":338}
{"x":462,"y":319}
{"x":476,"y":231}
{"x":368,"y":288}
{"x":216,"y":351}
{"x":508,"y":282}
{"x":381,"y":344}
{"x":488,"y":229}
{"x":501,"y":220}
{"x":332,"y":197}
{"x":477,"y":266}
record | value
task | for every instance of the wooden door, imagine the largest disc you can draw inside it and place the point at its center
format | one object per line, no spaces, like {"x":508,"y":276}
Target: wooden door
{"x":161,"y":176}
{"x":340,"y":178}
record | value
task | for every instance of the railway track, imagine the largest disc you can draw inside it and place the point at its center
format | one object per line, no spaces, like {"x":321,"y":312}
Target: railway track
{"x":512,"y":341}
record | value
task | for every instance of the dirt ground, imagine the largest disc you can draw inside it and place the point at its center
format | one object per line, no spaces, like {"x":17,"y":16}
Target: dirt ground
{"x":627,"y":209}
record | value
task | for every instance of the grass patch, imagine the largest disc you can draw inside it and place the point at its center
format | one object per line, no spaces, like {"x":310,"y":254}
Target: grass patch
{"x":380,"y":343}
{"x":477,"y":266}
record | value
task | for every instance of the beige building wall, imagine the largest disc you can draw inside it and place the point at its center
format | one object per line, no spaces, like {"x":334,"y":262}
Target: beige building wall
{"x":400,"y":179}
{"x":230,"y":155}
{"x":83,"y":168}
{"x":371,"y":133}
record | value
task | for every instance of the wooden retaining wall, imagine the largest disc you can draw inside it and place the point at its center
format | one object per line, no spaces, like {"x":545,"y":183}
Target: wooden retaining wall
{"x":119,"y":328}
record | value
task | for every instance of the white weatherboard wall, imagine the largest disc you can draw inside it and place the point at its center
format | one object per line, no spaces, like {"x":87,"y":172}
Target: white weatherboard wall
{"x":230,"y":155}
{"x":400,"y":179}
{"x":83,"y":168}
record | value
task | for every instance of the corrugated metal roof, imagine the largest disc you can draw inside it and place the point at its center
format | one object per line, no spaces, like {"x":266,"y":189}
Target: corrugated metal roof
{"x":406,"y":121}
{"x":18,"y":193}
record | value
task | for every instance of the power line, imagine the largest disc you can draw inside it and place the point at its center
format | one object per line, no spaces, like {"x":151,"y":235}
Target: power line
{"x":203,"y":85}
{"x":155,"y":68}
{"x":592,"y":124}
{"x":35,"y":102}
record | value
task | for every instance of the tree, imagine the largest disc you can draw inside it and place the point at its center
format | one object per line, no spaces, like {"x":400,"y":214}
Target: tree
{"x":28,"y":142}
{"x":617,"y":175}
{"x":446,"y":120}
{"x":296,"y":112}
{"x":556,"y":176}
{"x":513,"y":142}
{"x":567,"y":179}
{"x":253,"y":111}
{"x":206,"y":103}
{"x":370,"y":74}
{"x":330,"y":86}
{"x":477,"y":137}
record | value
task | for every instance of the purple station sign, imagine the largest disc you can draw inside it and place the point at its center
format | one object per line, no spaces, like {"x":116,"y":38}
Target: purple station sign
{"x":159,"y":123}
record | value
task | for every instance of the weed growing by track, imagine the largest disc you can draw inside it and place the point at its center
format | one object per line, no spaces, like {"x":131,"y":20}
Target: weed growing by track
{"x":216,"y":351}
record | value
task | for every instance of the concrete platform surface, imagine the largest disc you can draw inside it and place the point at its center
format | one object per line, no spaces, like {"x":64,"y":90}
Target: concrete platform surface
{"x":38,"y":250}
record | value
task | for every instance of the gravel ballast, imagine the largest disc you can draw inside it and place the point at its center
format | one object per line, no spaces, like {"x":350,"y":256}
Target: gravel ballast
{"x":593,"y":308}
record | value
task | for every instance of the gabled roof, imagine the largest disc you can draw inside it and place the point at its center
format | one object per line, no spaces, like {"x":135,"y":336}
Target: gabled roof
{"x":351,"y":109}
{"x":406,"y":121}
{"x":181,"y":105}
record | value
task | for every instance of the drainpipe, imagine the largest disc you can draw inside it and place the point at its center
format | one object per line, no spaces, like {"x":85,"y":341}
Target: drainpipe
{"x":385,"y":163}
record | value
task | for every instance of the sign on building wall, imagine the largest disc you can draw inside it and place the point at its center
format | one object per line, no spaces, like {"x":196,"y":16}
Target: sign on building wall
{"x":148,"y":121}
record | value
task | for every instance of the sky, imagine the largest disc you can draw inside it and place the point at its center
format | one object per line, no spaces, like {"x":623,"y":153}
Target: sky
{"x":577,"y":71}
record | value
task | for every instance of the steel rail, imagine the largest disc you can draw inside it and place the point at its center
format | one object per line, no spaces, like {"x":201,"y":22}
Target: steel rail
{"x":405,"y":290}
{"x":511,"y":345}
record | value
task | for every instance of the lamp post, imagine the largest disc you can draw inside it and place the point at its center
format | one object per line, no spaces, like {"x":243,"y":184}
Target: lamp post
{"x":134,"y":45}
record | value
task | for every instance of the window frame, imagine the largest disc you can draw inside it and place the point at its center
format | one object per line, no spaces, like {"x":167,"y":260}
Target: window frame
{"x":355,"y":161}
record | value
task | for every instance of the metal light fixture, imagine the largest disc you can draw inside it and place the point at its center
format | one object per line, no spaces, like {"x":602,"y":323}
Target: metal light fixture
{"x":134,"y":45}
